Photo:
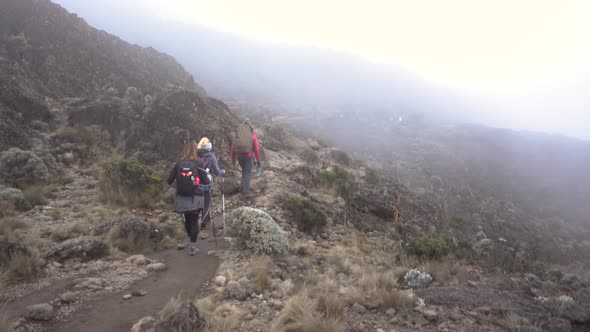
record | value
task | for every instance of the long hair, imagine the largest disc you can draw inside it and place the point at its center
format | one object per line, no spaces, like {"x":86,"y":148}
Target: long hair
{"x":190,"y":150}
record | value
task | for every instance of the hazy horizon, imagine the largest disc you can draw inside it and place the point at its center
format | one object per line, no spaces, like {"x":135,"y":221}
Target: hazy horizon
{"x":518,"y":65}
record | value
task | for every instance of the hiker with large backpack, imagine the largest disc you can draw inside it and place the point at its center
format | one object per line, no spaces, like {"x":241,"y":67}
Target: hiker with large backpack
{"x":191,"y":181}
{"x":244,"y":148}
{"x":209,"y":161}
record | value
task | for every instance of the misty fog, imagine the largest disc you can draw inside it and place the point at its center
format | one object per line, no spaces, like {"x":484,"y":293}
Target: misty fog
{"x":301,"y":78}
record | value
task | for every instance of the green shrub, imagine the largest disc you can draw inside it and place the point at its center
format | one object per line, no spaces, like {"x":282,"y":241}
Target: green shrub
{"x":130,"y":182}
{"x":118,"y":82}
{"x":427,"y":248}
{"x":373,"y":176}
{"x":338,"y":180}
{"x":308,"y":215}
{"x":462,"y":249}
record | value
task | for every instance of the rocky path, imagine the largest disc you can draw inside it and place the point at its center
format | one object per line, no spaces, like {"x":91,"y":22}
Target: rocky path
{"x":186,"y":275}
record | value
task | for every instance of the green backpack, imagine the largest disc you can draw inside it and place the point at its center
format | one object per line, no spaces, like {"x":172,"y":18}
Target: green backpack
{"x":244,"y":139}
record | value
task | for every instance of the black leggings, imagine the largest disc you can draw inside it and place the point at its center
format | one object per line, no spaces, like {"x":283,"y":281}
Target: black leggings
{"x":191,"y":224}
{"x":207,"y":213}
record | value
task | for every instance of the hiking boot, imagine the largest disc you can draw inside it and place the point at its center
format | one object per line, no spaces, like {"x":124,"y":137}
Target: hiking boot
{"x":194,"y":250}
{"x":203,"y":234}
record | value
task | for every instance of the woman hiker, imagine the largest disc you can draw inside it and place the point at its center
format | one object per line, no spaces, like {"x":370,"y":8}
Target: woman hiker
{"x":191,"y":181}
{"x":209,"y":162}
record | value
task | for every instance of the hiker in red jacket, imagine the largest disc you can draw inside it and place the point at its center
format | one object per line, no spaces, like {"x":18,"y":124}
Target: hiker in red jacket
{"x":244,"y":147}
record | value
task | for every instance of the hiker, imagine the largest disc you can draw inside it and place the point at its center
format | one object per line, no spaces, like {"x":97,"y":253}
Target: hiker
{"x":191,"y":181}
{"x":244,"y":147}
{"x":209,"y":161}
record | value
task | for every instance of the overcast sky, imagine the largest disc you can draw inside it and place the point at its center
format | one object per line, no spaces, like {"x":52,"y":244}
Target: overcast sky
{"x":524,"y":58}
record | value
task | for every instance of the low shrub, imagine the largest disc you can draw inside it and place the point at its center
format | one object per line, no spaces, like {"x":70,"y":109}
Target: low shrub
{"x":426,"y":248}
{"x":129,"y":182}
{"x":373,"y":176}
{"x":257,"y":231}
{"x":308,"y":215}
{"x":339,"y":181}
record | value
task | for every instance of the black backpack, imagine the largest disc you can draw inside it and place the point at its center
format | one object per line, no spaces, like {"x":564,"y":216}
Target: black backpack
{"x":190,"y":177}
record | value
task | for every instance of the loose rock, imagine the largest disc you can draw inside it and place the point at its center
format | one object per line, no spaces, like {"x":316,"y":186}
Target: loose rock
{"x":156,"y":267}
{"x":40,"y":312}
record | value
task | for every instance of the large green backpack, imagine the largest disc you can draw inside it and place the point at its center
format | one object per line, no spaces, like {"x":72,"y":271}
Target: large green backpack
{"x":244,"y":139}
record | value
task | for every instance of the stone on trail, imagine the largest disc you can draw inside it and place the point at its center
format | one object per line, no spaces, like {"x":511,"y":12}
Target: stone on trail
{"x":181,"y":246}
{"x":40,"y":312}
{"x":139,"y":293}
{"x":235,"y":291}
{"x":146,"y":324}
{"x":220,"y":281}
{"x":68,"y":297}
{"x":138,"y":260}
{"x":156,"y":267}
{"x":127,"y":297}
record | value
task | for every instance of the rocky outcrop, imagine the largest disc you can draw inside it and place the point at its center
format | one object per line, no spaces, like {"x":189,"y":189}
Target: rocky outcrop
{"x":82,"y":248}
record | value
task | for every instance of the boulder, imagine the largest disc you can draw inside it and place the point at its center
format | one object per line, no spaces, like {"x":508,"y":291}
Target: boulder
{"x":186,"y":318}
{"x":156,"y":267}
{"x":81,"y":248}
{"x":219,"y":281}
{"x":137,"y":260}
{"x":133,"y":229}
{"x":22,"y":168}
{"x":234,"y":290}
{"x":146,"y":324}
{"x":255,"y":230}
{"x":40,"y":312}
{"x":68,"y":297}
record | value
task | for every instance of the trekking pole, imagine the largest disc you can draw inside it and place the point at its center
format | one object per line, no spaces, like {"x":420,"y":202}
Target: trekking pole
{"x":223,"y":203}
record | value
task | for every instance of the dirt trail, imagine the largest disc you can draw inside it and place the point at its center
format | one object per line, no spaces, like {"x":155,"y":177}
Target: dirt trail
{"x":185,"y":274}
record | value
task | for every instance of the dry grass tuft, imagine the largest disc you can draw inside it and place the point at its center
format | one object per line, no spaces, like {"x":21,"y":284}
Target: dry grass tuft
{"x":10,"y":226}
{"x":225,"y":318}
{"x":3,"y":283}
{"x":65,"y":232}
{"x":259,"y":270}
{"x":22,"y":266}
{"x":132,"y":243}
{"x":511,"y":321}
{"x":7,"y":209}
{"x":301,"y":313}
{"x":4,"y":322}
{"x":170,"y":308}
{"x":37,"y":195}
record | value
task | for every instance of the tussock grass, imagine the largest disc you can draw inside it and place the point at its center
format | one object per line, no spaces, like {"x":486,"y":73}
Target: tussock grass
{"x":511,"y":321}
{"x":4,"y":322}
{"x":37,"y":195}
{"x":65,"y":232}
{"x":131,"y":243}
{"x":7,"y":209}
{"x":21,"y":266}
{"x":302,"y":313}
{"x":3,"y":285}
{"x":259,"y":271}
{"x":170,"y":308}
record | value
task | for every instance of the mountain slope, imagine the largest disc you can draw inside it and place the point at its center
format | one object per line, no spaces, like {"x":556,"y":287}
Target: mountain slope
{"x":48,"y":57}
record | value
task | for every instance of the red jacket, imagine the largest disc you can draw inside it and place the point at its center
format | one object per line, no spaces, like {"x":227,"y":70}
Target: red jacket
{"x":255,"y":149}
